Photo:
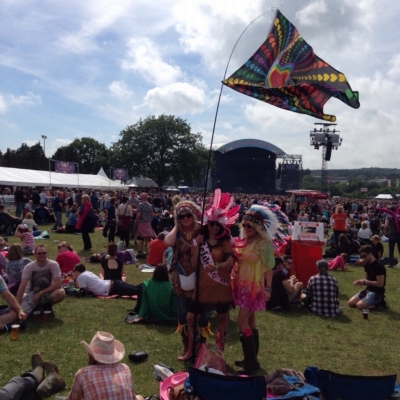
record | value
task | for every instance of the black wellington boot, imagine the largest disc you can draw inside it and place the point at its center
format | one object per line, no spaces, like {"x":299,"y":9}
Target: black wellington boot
{"x":240,"y":362}
{"x":250,"y":356}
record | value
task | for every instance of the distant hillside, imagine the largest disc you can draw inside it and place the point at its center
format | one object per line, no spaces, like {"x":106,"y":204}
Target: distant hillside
{"x":361,"y":173}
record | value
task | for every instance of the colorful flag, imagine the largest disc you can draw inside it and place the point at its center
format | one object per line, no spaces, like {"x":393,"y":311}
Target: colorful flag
{"x":120,"y":173}
{"x":64,"y":167}
{"x":286,"y":73}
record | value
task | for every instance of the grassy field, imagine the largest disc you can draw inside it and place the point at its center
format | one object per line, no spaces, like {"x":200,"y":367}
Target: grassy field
{"x":346,"y":344}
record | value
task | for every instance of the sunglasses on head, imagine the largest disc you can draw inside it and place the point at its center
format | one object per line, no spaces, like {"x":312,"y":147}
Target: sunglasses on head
{"x":213,"y":223}
{"x":183,"y":216}
{"x":247,"y":226}
{"x":41,"y":253}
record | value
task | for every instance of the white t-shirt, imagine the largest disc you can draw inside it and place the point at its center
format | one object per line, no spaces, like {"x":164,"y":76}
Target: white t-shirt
{"x":30,"y":223}
{"x":43,"y":198}
{"x":93,"y":283}
{"x":40,"y":278}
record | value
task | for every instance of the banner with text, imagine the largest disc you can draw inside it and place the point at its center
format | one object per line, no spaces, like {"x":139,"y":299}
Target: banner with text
{"x":120,"y":173}
{"x":64,"y":167}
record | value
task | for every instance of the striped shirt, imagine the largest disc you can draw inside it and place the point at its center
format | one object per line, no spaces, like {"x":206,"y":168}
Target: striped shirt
{"x":323,"y":293}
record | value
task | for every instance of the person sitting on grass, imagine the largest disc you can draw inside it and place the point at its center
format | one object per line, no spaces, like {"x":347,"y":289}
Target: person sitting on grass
{"x":15,"y":266}
{"x":40,"y":283}
{"x":91,"y":283}
{"x":112,"y":267}
{"x":285,"y":291}
{"x":32,"y":384}
{"x":339,"y":262}
{"x":32,"y":225}
{"x":377,"y":247}
{"x":13,"y":312}
{"x":28,"y":243}
{"x":105,"y":377}
{"x":373,"y":295}
{"x":156,"y":300}
{"x":157,"y":248}
{"x":66,"y":259}
{"x":322,"y":293}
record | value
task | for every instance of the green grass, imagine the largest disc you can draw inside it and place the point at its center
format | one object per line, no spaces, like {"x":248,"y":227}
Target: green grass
{"x":346,"y":344}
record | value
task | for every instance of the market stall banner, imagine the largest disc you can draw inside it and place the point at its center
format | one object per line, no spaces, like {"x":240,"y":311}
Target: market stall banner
{"x":120,"y":173}
{"x":64,"y":167}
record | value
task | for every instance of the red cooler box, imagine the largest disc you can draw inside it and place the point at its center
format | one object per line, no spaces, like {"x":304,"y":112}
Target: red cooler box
{"x":306,"y":249}
{"x":305,"y":255}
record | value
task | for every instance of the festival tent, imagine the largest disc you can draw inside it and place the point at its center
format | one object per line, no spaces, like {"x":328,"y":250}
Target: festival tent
{"x":384,"y":196}
{"x":30,"y":177}
{"x":142,"y":181}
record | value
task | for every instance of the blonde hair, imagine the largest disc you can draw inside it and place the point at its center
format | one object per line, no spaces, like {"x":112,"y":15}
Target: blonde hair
{"x":259,"y":230}
{"x":85,"y":197}
{"x":29,"y":215}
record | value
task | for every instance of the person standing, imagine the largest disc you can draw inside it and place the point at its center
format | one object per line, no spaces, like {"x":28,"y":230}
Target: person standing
{"x":124,"y":213}
{"x":58,"y":205}
{"x":144,"y":216}
{"x":252,"y":279}
{"x":86,"y":221}
{"x":19,"y":201}
{"x":392,"y":233}
{"x":186,"y":229}
{"x":339,"y":221}
{"x":40,"y":283}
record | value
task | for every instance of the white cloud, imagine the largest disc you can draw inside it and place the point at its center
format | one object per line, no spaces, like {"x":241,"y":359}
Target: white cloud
{"x":309,"y":14}
{"x":53,"y":145}
{"x":28,"y":99}
{"x":394,"y":71}
{"x":120,"y":90}
{"x":144,"y":57}
{"x":3,"y":105}
{"x":179,"y":97}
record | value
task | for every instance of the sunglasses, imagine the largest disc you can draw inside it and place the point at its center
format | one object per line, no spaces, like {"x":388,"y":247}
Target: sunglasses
{"x":183,"y":216}
{"x":42,"y":253}
{"x":247,"y":226}
{"x":213,"y":223}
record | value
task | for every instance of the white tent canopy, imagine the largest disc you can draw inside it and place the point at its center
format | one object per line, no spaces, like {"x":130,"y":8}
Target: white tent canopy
{"x":384,"y":196}
{"x":30,"y":177}
{"x":142,"y":181}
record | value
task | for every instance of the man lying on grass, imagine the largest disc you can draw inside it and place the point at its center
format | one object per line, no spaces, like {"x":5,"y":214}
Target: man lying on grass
{"x":101,"y":287}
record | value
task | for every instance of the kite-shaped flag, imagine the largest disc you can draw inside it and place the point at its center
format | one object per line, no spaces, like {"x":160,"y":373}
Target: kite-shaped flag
{"x":286,"y":73}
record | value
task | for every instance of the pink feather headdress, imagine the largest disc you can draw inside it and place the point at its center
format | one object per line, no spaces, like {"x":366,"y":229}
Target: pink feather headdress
{"x":221,"y":210}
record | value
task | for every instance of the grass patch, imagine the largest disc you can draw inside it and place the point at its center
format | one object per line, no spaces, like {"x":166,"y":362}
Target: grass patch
{"x":346,"y":344}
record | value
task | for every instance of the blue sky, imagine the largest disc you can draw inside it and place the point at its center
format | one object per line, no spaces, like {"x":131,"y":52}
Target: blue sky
{"x":74,"y":69}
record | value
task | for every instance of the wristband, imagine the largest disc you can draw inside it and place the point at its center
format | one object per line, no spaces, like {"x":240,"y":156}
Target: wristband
{"x":268,"y":289}
{"x":20,"y":311}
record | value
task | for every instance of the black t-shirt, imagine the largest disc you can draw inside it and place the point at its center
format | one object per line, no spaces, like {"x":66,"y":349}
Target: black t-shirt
{"x":19,"y":196}
{"x":157,"y":202}
{"x":373,"y":270}
{"x":112,"y":274}
{"x":279,"y":297}
{"x":376,"y":249}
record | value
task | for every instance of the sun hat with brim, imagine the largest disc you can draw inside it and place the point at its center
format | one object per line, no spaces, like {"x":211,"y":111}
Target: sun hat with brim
{"x":172,"y":381}
{"x":104,"y":348}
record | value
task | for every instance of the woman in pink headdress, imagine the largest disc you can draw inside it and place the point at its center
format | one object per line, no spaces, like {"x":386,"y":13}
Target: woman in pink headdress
{"x":216,"y":261}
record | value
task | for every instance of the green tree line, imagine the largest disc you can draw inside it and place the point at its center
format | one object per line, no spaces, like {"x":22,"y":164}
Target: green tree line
{"x":162,"y":148}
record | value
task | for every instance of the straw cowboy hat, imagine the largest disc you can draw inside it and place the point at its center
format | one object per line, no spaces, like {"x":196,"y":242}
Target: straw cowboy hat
{"x":104,"y":348}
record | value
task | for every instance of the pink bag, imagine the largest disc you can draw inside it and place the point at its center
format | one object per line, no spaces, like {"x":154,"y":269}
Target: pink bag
{"x":210,"y":356}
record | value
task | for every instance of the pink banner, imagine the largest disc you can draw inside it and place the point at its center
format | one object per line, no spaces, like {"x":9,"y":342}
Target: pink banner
{"x":64,"y":167}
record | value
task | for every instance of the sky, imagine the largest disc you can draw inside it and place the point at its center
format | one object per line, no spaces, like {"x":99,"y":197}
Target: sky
{"x":91,"y":68}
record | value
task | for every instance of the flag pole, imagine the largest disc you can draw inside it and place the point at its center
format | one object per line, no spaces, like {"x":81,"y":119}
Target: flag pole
{"x":206,"y":184}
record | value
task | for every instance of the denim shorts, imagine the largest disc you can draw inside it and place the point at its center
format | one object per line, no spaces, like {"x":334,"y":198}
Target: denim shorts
{"x":371,"y":298}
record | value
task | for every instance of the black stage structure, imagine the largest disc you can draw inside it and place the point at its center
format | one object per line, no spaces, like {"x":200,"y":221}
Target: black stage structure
{"x":247,"y":166}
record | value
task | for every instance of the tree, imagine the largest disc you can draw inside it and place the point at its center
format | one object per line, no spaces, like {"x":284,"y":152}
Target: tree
{"x":27,"y":157}
{"x":161,"y":148}
{"x":89,"y":153}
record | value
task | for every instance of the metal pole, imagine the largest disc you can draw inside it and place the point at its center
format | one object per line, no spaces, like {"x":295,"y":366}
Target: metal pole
{"x":78,"y":173}
{"x":50,"y":160}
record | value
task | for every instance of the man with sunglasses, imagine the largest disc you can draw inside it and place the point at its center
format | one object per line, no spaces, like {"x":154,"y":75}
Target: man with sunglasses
{"x":40,"y":283}
{"x":375,"y":280}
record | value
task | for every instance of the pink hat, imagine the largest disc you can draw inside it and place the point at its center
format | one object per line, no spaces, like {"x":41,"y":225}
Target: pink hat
{"x":104,"y":348}
{"x":172,"y":381}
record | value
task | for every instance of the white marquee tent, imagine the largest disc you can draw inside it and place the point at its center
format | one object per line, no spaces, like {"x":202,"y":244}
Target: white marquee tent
{"x":30,"y":177}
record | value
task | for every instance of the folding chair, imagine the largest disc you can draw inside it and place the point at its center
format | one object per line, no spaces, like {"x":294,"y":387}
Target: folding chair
{"x":351,"y":387}
{"x":209,"y":386}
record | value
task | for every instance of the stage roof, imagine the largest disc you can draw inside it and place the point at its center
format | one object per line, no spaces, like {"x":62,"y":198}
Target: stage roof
{"x":238,"y":144}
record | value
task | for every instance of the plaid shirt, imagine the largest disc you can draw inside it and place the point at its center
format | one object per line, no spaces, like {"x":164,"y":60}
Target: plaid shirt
{"x":103,"y":382}
{"x":323,"y":293}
